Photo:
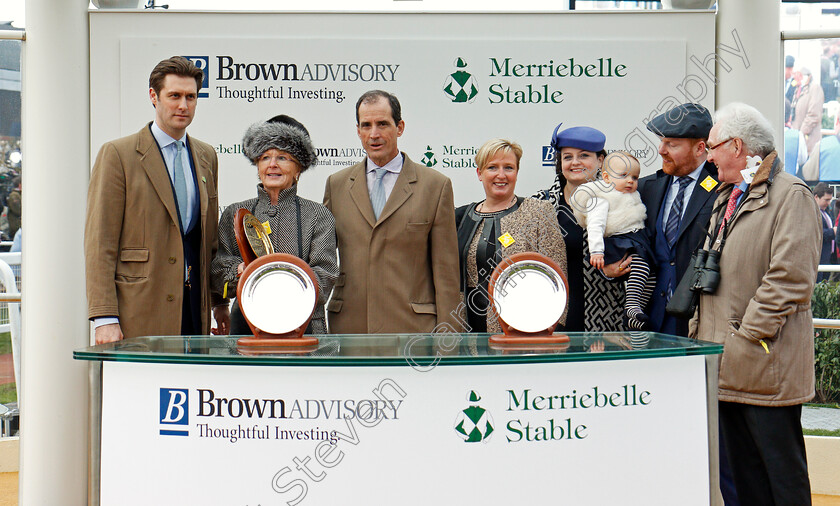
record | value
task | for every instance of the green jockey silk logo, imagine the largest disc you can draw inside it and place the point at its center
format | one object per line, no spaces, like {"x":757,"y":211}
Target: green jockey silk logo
{"x":428,"y":158}
{"x":460,"y":85}
{"x":474,"y":423}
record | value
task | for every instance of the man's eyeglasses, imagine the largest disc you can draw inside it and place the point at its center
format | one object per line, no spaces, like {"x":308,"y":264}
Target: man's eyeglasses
{"x":719,"y":144}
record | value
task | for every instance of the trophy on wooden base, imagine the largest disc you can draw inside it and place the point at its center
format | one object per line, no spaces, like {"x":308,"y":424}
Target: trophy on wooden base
{"x":276,"y":292}
{"x":529,"y":293}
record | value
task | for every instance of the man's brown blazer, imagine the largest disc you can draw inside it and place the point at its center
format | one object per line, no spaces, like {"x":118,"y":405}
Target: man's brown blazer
{"x":134,"y":256}
{"x":398,"y":274}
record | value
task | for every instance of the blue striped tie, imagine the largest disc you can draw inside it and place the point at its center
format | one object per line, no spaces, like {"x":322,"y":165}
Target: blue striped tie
{"x":377,"y":198}
{"x":180,"y":185}
{"x":672,"y":226}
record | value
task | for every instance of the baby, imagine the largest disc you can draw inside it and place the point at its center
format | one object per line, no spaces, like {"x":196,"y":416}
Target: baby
{"x":614,"y":217}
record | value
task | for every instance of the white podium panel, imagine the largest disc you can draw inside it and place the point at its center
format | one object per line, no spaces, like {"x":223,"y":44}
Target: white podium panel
{"x":590,"y":432}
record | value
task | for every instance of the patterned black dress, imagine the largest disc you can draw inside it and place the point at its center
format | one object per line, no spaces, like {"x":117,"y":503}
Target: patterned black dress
{"x":596,"y":303}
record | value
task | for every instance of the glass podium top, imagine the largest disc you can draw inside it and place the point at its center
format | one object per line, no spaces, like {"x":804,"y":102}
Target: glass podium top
{"x":414,"y":350}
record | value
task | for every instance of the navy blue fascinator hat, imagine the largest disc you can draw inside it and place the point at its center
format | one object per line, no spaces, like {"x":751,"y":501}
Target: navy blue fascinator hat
{"x":585,"y":138}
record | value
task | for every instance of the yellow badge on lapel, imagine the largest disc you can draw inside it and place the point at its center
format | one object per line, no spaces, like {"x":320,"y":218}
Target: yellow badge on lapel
{"x":709,"y":183}
{"x":267,"y":227}
{"x":506,"y":239}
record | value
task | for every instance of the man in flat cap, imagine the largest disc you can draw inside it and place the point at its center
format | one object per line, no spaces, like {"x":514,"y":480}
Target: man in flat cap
{"x":679,"y":200}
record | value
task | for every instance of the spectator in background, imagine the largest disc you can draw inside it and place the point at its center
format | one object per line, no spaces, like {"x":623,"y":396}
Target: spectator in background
{"x":13,"y":201}
{"x":807,"y":106}
{"x":760,"y":312}
{"x":824,"y":161}
{"x":796,"y":151}
{"x":17,"y":243}
{"x":823,"y":195}
{"x":829,"y":73}
{"x":835,"y":216}
{"x":790,"y":83}
{"x":835,"y":276}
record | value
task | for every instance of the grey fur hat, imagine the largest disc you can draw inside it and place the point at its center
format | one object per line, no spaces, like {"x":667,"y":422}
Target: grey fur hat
{"x":285,"y":136}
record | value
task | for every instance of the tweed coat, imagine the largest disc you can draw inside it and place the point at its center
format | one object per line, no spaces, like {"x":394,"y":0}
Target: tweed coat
{"x":317,"y":243}
{"x":533,"y":226}
{"x":397,"y":274}
{"x":761,"y":311}
{"x":134,"y":254}
{"x":807,"y":113}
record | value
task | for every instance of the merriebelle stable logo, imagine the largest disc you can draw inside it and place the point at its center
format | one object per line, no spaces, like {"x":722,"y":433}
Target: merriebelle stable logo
{"x":474,"y":424}
{"x":460,"y":86}
{"x":451,"y":157}
{"x":531,"y":417}
{"x":522,"y":82}
{"x":428,"y":158}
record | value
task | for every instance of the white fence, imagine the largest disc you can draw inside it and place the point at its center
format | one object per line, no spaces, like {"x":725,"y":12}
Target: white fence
{"x":10,"y":311}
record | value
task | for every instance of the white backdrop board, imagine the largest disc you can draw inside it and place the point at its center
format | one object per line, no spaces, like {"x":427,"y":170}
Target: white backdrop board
{"x":462,"y":78}
{"x":587,"y":433}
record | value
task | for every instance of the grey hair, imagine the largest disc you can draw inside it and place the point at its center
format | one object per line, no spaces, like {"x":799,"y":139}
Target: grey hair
{"x":742,"y":121}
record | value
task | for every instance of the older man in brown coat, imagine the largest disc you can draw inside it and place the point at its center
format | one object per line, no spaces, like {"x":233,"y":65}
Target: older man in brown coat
{"x":152,"y":214}
{"x":807,"y":106}
{"x":768,"y":240}
{"x":395,"y":221}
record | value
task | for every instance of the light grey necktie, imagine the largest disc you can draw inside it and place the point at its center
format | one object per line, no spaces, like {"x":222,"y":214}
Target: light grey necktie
{"x":180,"y":184}
{"x":377,"y":198}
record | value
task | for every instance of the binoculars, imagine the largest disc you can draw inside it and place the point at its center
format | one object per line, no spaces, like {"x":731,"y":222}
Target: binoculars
{"x":706,"y":271}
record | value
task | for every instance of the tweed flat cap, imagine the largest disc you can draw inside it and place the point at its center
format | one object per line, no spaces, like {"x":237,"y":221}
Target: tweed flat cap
{"x":686,"y":121}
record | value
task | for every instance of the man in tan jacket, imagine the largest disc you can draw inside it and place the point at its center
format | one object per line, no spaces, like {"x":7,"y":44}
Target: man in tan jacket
{"x":152,"y":214}
{"x":769,"y":243}
{"x":807,"y":107}
{"x":395,"y":221}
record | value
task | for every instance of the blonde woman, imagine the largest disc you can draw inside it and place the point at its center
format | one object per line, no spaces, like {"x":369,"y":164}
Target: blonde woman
{"x":499,"y":226}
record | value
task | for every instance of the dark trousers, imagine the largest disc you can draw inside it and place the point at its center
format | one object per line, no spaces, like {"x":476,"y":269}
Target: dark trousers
{"x":727,"y":483}
{"x":191,"y":308}
{"x":766,"y":452}
{"x":191,"y":312}
{"x":238,"y":324}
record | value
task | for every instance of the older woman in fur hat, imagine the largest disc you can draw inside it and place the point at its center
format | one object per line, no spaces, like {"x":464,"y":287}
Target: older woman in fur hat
{"x":281,"y":150}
